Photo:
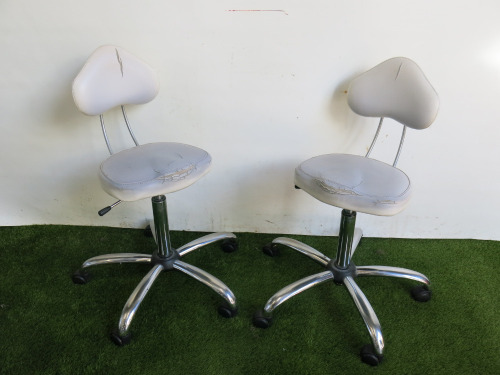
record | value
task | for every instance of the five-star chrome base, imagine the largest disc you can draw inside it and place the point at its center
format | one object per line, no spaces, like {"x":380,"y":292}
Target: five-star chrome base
{"x":342,"y":271}
{"x":165,"y":258}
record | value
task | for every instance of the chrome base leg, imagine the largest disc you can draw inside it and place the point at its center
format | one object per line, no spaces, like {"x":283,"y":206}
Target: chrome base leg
{"x":367,"y":313}
{"x":209,"y":280}
{"x":392,"y":272}
{"x":295,"y":288}
{"x":143,"y":287}
{"x":203,"y":241}
{"x":136,"y":298}
{"x":304,"y":249}
{"x":117,"y":258}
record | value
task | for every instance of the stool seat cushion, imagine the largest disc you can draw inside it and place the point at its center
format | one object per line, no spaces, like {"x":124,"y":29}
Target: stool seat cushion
{"x":355,"y":183}
{"x":153,"y":169}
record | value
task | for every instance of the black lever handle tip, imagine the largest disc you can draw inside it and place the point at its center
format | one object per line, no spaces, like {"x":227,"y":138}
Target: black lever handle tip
{"x":104,"y":211}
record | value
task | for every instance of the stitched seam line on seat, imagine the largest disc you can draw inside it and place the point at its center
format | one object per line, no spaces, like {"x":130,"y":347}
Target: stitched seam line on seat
{"x":179,"y":174}
{"x":346,"y":191}
{"x":173,"y":176}
{"x":165,"y":178}
{"x":333,"y":190}
{"x":341,"y":191}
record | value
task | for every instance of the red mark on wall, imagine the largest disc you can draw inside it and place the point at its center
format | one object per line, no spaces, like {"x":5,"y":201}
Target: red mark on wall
{"x":258,"y":10}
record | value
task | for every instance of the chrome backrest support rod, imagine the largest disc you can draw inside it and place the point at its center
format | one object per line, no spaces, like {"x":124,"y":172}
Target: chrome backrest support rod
{"x":401,"y":142}
{"x":400,"y":146}
{"x":128,"y":126}
{"x":101,"y":117}
{"x":375,"y":137}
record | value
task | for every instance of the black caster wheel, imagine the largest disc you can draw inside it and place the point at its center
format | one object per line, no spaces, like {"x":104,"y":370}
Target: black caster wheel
{"x":262,"y":321}
{"x":120,"y":340}
{"x":271,"y":249}
{"x":229,"y":245}
{"x":369,"y":356}
{"x":148,"y":232}
{"x":227,"y":312}
{"x":81,"y":277}
{"x":421,"y":293}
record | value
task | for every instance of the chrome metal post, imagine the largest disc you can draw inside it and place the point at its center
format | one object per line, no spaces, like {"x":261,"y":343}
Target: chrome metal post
{"x":346,"y":235}
{"x":400,"y":148}
{"x":375,"y":137}
{"x":159,"y":203}
{"x":129,"y":127}
{"x":103,"y":127}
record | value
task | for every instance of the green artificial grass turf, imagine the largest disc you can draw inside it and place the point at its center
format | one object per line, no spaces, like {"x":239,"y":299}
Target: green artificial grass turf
{"x":49,"y":325}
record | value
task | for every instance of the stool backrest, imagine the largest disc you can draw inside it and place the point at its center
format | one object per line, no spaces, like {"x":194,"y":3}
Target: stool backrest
{"x":113,"y":77}
{"x":397,"y":89}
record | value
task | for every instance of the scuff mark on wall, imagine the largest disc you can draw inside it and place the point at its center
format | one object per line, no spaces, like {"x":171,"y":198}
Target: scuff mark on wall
{"x":258,"y":10}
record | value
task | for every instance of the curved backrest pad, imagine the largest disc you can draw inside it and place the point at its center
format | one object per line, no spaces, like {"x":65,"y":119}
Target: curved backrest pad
{"x":112,"y":77}
{"x":397,"y":89}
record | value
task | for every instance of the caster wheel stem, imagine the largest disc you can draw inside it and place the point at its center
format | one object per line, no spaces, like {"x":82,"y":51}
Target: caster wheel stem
{"x":120,"y":340}
{"x":229,"y":245}
{"x":369,"y":356}
{"x":421,"y":293}
{"x":81,"y":277}
{"x":261,"y":320}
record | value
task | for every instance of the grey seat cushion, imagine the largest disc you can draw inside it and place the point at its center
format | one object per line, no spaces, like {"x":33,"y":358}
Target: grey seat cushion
{"x":153,"y":169}
{"x":355,"y":183}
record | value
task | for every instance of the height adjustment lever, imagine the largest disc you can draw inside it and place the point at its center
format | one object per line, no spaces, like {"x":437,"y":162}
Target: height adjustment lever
{"x":105,"y":210}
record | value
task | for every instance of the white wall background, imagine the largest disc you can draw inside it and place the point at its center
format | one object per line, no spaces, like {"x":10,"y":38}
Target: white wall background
{"x":261,"y":91}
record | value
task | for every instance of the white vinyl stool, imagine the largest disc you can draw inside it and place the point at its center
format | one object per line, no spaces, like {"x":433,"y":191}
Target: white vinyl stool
{"x":396,"y":89}
{"x":114,"y":77}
